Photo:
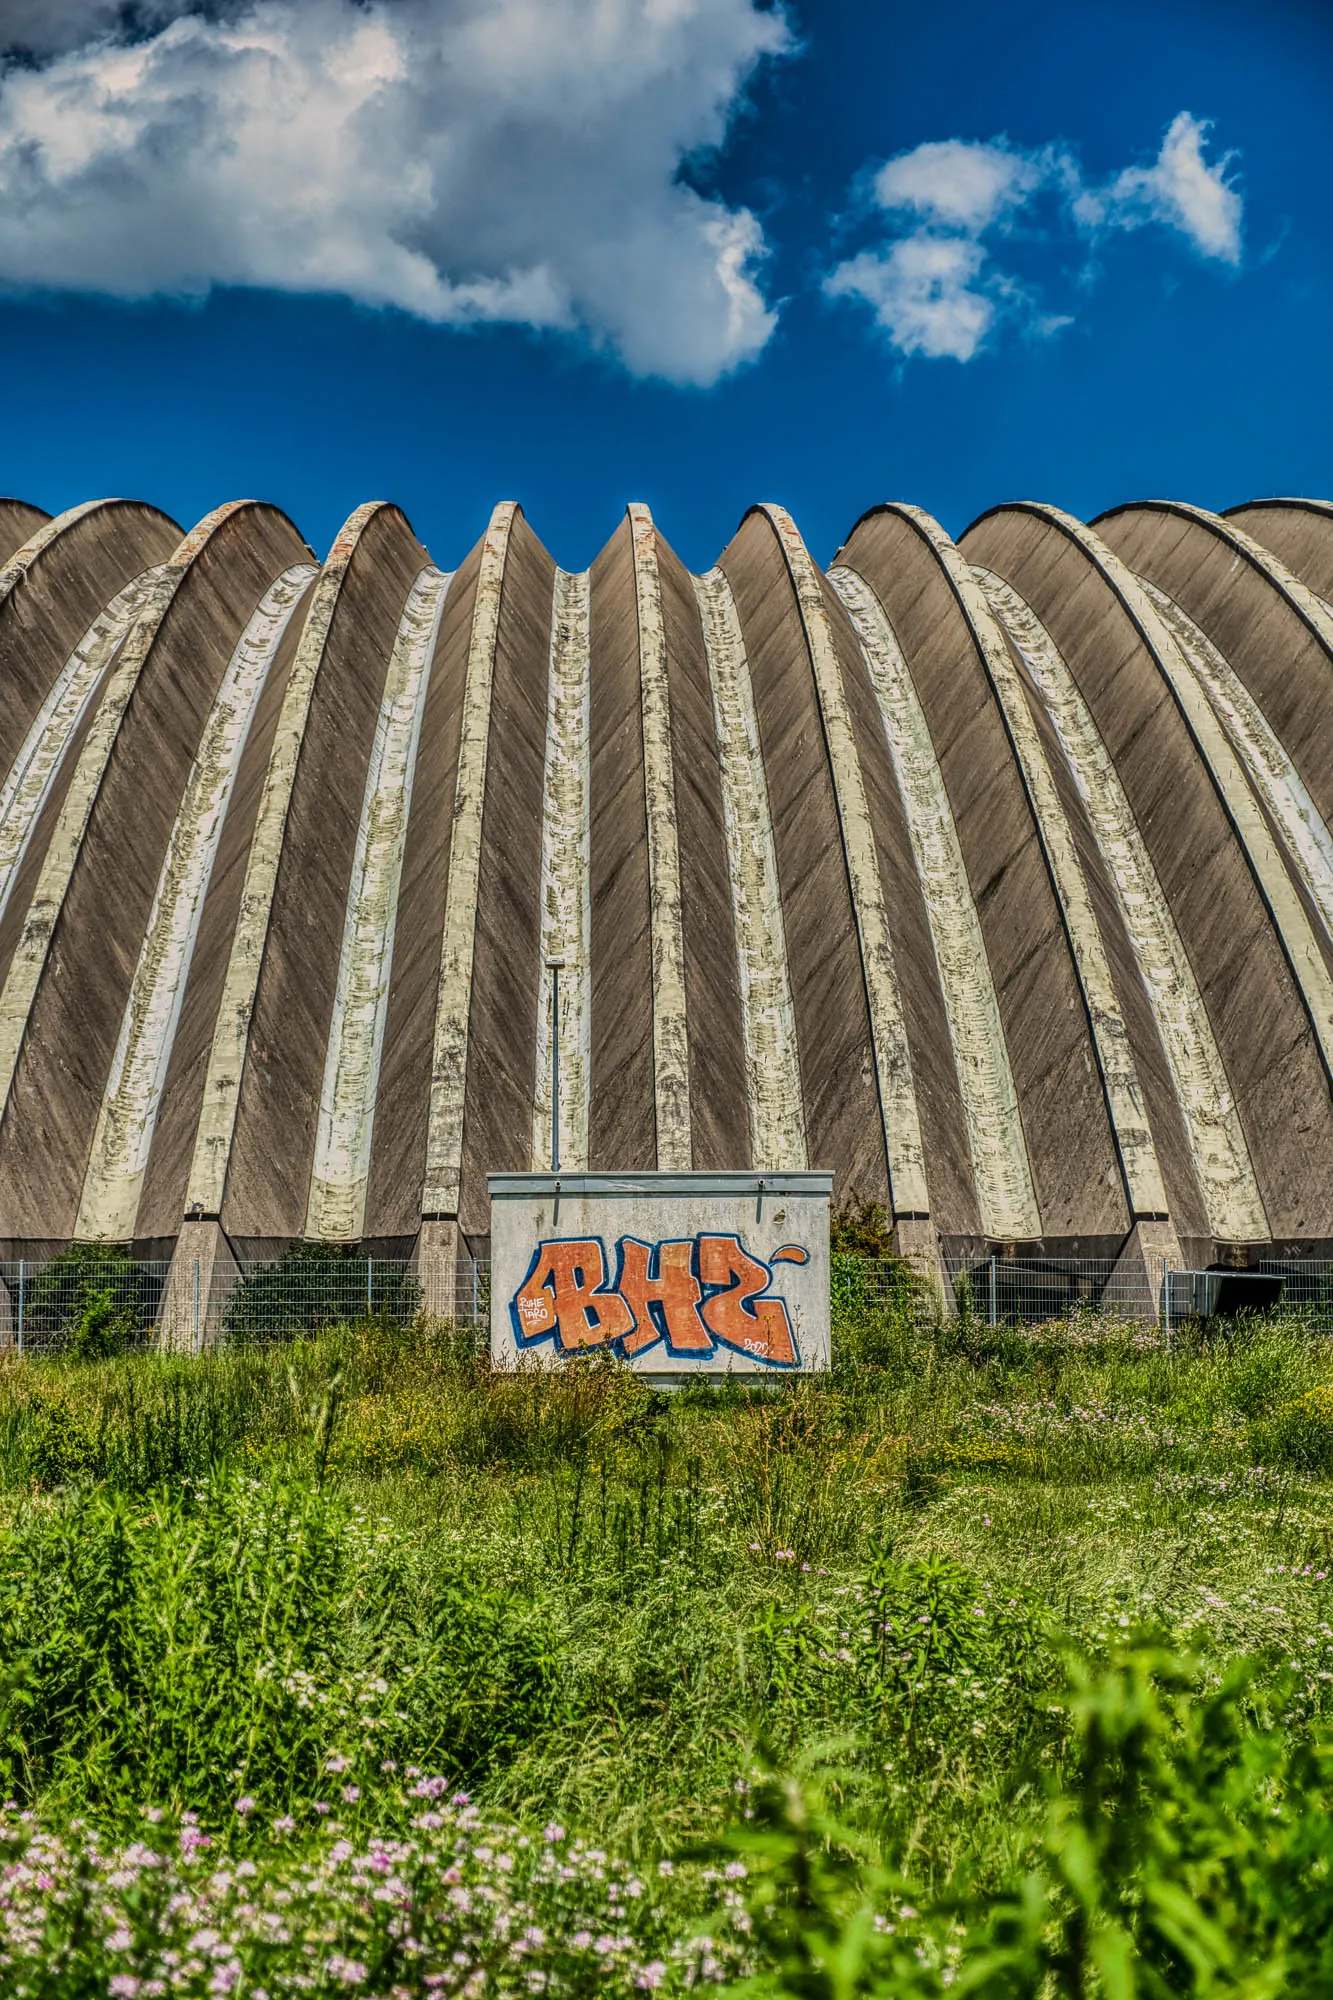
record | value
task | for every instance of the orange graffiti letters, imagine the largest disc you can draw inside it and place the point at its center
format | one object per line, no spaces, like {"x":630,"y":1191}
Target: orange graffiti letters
{"x":662,"y":1300}
{"x":737,"y":1316}
{"x":563,"y":1294}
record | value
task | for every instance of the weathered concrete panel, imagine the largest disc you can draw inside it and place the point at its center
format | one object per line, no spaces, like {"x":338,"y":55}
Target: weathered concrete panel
{"x":284,"y":1057}
{"x":1184,"y":803}
{"x":100,"y":873}
{"x":997,"y":880}
{"x":622,"y":1125}
{"x":844,"y":1129}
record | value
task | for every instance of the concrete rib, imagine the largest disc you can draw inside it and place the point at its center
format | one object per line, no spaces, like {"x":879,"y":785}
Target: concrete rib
{"x":1271,"y":771}
{"x":30,"y":956}
{"x":444,"y":1137}
{"x":112,"y":1183}
{"x":768,"y":1018}
{"x":1212,"y":1124}
{"x":1286,"y":911}
{"x":341,"y":1168}
{"x":56,"y":723}
{"x":16,"y":568}
{"x":226,"y":1062}
{"x":566,"y":916}
{"x":1121,"y":1087}
{"x":671,"y":1055}
{"x":893,"y":1061}
{"x":1306,"y":603}
{"x":1001,"y":1174}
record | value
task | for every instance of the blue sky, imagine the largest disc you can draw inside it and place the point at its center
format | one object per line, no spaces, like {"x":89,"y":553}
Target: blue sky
{"x":577,"y":252}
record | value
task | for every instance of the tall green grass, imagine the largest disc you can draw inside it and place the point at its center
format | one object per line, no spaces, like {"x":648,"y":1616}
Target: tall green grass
{"x":225,"y":1576}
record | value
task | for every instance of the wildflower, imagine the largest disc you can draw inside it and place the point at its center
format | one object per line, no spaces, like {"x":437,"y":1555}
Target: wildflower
{"x":284,"y":1824}
{"x":349,"y":1971}
{"x":650,"y":1975}
{"x":245,"y":1804}
{"x":552,"y":1833}
{"x":335,"y":1764}
{"x":320,"y":1807}
{"x":351,"y":1793}
{"x":581,"y":1940}
{"x":122,"y":1986}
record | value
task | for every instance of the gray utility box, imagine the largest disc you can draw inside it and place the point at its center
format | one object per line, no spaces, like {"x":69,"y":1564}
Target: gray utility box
{"x":675,"y":1274}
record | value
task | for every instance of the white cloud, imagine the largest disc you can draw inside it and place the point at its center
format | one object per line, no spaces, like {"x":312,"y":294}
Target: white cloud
{"x":955,"y":184}
{"x":923,"y":294}
{"x":1181,"y":190}
{"x":465,"y":160}
{"x":936,"y":288}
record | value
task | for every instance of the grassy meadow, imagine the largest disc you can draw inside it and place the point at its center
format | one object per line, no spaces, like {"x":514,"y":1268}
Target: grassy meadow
{"x":996,"y":1661}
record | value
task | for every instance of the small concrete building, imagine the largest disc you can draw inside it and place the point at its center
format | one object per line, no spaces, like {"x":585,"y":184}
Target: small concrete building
{"x":995,"y":876}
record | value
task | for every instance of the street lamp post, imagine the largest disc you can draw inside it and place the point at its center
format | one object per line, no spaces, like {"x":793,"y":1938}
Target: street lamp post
{"x":554,"y":966}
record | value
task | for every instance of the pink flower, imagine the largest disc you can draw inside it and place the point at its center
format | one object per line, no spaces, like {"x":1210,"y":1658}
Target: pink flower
{"x":335,"y":1764}
{"x":245,"y":1805}
{"x":351,"y":1793}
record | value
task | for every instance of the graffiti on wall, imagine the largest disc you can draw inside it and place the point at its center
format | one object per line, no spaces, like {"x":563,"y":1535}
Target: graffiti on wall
{"x":694,"y":1294}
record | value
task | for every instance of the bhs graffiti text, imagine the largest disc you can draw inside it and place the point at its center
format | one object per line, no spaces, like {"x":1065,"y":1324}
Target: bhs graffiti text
{"x":695,"y":1294}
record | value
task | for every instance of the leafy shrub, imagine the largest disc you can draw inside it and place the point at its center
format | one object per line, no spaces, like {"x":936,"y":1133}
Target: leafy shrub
{"x":317,"y":1285}
{"x":1186,"y":1852}
{"x":92,"y":1301}
{"x":57,"y":1446}
{"x":229,"y":1639}
{"x":1300,"y":1432}
{"x":861,"y":1229}
{"x":921,"y":1652}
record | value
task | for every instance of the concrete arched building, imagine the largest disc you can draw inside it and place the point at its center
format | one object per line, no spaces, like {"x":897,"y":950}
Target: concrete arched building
{"x":996,"y":876}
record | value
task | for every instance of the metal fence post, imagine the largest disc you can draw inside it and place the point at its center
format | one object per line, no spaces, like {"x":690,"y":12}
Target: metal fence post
{"x":992,"y":1317}
{"x":475,"y":1294}
{"x":196,"y":1305}
{"x":22,"y":1276}
{"x":1166,"y":1299}
{"x":370,"y":1284}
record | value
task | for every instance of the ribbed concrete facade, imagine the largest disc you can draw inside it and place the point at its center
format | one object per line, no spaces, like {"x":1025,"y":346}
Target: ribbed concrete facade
{"x":995,"y":876}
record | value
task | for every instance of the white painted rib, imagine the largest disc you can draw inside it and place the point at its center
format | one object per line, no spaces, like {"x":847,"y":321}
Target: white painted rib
{"x":113,"y":1182}
{"x":1271,"y":771}
{"x":1286,"y":911}
{"x":231,"y":1033}
{"x":671,"y":1042}
{"x":1005,"y":1196}
{"x":1121,"y":1088}
{"x":888,"y":1030}
{"x":566,"y":905}
{"x":768,"y":1018}
{"x":58,"y":863}
{"x":22,"y":560}
{"x":1306,"y":603}
{"x":453,"y":1010}
{"x":1207,"y":1107}
{"x":341,"y":1173}
{"x":38,"y":764}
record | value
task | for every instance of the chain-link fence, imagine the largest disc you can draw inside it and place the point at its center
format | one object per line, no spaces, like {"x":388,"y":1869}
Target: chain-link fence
{"x":93,"y":1301}
{"x":1001,"y":1291}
